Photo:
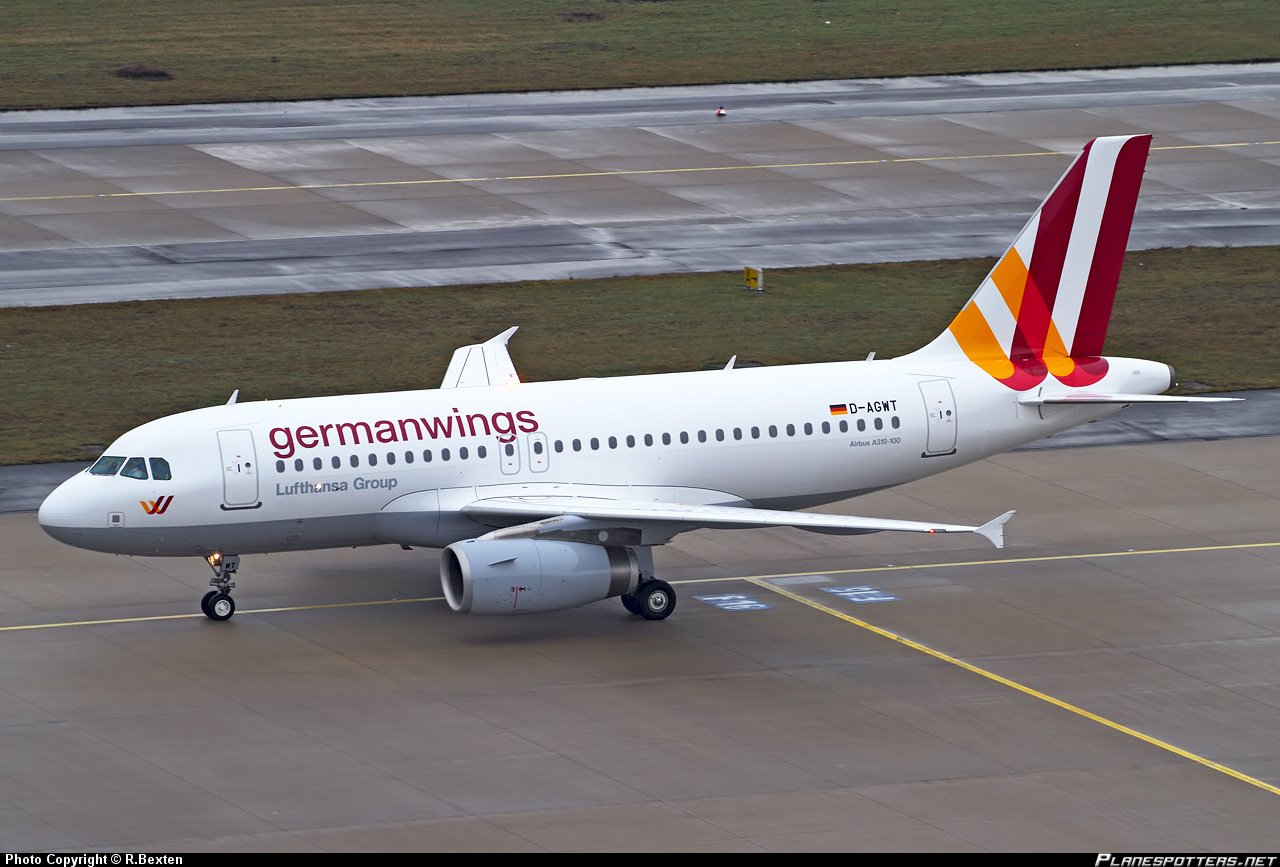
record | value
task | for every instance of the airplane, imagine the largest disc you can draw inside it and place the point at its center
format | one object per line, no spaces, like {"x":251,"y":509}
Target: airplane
{"x":551,"y":495}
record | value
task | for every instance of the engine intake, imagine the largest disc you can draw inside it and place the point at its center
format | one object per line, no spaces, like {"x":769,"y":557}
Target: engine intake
{"x":524,"y":576}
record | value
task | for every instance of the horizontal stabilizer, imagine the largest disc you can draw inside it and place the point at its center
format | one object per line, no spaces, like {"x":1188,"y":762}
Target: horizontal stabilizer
{"x":1087,"y":398}
{"x":486,"y":363}
{"x":600,"y":512}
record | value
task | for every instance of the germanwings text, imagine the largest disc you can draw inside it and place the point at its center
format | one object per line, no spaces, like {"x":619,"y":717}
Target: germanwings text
{"x":503,"y":425}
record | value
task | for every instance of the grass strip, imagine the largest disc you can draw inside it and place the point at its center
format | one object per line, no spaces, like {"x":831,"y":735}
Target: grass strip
{"x":76,"y":377}
{"x":72,"y":53}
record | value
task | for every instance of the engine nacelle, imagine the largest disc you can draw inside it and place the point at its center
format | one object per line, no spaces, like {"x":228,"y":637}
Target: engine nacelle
{"x":523,"y":576}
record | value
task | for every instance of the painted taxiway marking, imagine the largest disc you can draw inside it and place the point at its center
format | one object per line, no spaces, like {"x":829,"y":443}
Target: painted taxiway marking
{"x":238,"y":611}
{"x":990,"y":675}
{"x":602,"y":174}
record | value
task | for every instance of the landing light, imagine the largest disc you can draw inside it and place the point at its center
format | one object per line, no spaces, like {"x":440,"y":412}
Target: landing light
{"x":214,"y":558}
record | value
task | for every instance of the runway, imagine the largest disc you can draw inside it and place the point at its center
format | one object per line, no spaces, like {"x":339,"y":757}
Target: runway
{"x":184,"y":201}
{"x":1133,"y":626}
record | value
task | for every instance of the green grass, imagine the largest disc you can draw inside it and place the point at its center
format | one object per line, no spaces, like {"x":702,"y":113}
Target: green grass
{"x":63,"y":53}
{"x":82,"y":375}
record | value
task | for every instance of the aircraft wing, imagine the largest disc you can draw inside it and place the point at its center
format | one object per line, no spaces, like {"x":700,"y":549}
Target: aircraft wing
{"x":1087,"y":398}
{"x":486,"y":363}
{"x":547,"y":515}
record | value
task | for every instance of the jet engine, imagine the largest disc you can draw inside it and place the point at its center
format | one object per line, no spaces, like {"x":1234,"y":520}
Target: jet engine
{"x":524,"y":576}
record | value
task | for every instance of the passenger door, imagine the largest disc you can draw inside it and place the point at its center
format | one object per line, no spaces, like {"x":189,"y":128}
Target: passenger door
{"x":239,"y":469}
{"x":940,"y":406}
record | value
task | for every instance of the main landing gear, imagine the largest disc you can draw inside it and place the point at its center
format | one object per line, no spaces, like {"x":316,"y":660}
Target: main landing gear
{"x":217,"y":604}
{"x":653,"y":600}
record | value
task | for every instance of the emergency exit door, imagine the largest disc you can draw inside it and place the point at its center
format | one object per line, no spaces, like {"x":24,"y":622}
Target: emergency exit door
{"x":940,"y":408}
{"x":239,"y":469}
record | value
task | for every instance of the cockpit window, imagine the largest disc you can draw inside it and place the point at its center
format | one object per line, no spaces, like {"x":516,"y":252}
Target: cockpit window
{"x":135,"y":468}
{"x":160,"y":470}
{"x":106,"y":466}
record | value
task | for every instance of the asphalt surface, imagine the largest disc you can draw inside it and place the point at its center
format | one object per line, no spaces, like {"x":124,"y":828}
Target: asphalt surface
{"x":182,"y":201}
{"x":133,"y":723}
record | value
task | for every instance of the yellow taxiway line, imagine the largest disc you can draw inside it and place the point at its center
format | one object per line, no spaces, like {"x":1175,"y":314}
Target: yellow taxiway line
{"x":1012,"y":684}
{"x":597,"y":174}
{"x":763,"y":581}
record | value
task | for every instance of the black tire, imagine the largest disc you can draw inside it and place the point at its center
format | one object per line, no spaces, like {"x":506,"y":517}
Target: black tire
{"x":656,"y":600}
{"x":204,"y":602}
{"x":629,"y":603}
{"x":220,"y":607}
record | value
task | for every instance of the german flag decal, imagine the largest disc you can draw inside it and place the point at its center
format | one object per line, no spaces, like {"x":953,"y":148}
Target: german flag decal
{"x":839,"y":409}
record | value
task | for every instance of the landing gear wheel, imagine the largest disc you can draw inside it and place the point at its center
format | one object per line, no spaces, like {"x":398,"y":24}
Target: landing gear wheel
{"x":655,"y":599}
{"x":220,"y":607}
{"x":204,"y":603}
{"x":629,"y":603}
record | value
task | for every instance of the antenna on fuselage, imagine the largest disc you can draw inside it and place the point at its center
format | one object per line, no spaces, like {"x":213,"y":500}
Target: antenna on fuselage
{"x":729,"y":366}
{"x":234,"y":395}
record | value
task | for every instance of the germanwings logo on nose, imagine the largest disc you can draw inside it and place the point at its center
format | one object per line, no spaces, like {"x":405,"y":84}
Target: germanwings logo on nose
{"x":156,"y":507}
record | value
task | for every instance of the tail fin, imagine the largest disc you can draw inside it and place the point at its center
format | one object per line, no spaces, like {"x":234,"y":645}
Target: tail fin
{"x":1045,"y":307}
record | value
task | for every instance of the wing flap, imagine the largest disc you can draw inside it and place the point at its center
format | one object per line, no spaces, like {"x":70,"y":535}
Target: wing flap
{"x":687,"y":517}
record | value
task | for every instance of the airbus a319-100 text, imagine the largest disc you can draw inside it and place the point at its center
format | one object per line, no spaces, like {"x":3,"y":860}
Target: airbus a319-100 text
{"x":552,"y":495}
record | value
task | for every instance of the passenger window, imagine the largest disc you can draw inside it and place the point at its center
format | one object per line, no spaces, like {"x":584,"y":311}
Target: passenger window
{"x":537,"y":447}
{"x":684,"y":436}
{"x":373,"y":460}
{"x":408,"y":457}
{"x":879,"y":424}
{"x":317,"y":463}
{"x":510,"y":449}
{"x":844,"y":426}
{"x":613,"y":442}
{"x":463,"y":454}
{"x":648,"y":439}
{"x":298,"y":465}
{"x":160,"y":469}
{"x":280,"y":466}
{"x":559,"y":446}
{"x":631,"y":442}
{"x":426,"y":456}
{"x":444,"y":454}
{"x":791,"y":430}
{"x":808,"y":429}
{"x":755,"y":433}
{"x":666,"y":439}
{"x":106,"y":466}
{"x":337,"y":462}
{"x":391,"y":458}
{"x":862,"y":424}
{"x":577,"y":445}
{"x":894,"y":421}
{"x":719,"y":435}
{"x":595,"y":444}
{"x":355,"y":461}
{"x":135,"y":468}
{"x":773,"y":430}
{"x":482,"y":452}
{"x":702,"y":436}
{"x":737,"y":433}
{"x":826,"y":427}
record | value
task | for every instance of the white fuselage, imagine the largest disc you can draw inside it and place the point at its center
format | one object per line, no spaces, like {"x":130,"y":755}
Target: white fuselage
{"x":318,"y":472}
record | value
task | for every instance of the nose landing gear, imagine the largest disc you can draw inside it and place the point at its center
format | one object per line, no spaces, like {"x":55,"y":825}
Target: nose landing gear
{"x":217,"y":604}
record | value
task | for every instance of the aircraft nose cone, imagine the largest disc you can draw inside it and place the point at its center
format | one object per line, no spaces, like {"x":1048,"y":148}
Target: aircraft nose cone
{"x":62,"y":512}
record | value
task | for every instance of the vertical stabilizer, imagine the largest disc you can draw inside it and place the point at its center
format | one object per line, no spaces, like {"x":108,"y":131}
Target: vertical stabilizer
{"x":1044,"y":309}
